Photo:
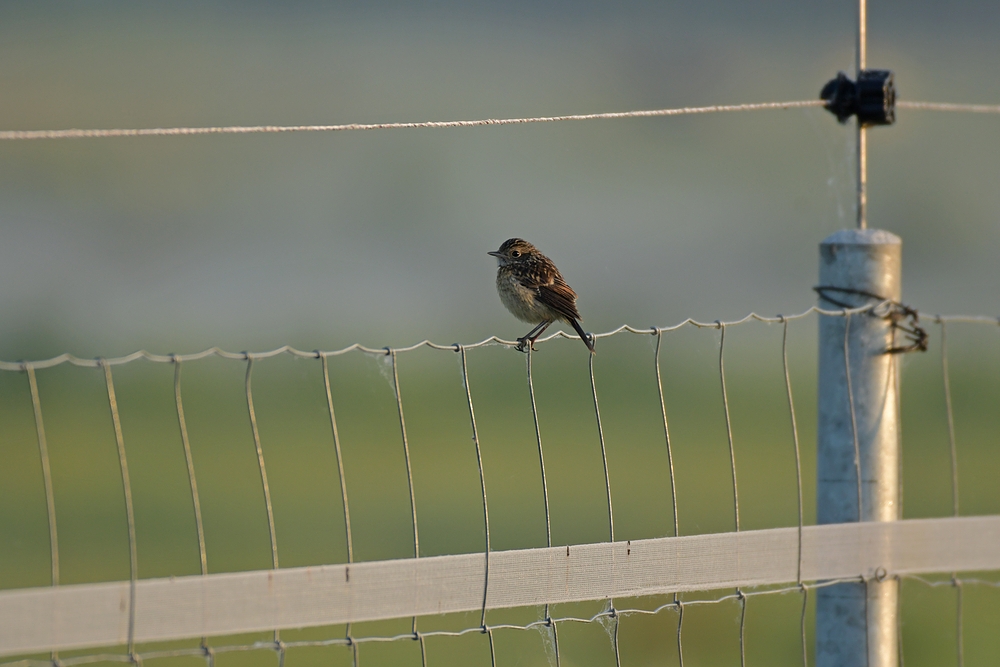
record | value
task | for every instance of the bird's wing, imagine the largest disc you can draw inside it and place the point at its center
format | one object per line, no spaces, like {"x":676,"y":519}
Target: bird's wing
{"x":560,"y":297}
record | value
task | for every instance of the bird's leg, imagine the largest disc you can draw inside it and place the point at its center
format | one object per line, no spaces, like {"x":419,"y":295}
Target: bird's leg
{"x":530,"y":337}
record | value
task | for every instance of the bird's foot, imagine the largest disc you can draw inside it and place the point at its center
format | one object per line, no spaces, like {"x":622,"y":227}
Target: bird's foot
{"x":523,"y":345}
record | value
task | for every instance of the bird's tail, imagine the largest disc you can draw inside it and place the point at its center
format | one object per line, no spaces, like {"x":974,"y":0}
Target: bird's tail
{"x":584,"y":336}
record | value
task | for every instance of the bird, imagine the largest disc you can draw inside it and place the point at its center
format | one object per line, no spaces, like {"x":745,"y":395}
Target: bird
{"x":532,"y":289}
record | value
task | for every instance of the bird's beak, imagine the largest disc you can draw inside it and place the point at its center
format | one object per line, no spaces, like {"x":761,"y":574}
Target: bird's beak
{"x":495,"y":253}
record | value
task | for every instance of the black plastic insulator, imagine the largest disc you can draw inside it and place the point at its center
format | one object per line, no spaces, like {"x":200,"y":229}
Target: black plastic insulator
{"x":872,"y":98}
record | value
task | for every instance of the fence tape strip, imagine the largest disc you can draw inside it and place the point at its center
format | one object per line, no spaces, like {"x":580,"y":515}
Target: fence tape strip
{"x":89,"y":615}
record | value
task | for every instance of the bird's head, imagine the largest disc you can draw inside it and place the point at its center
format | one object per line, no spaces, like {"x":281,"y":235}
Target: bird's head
{"x":513,"y":251}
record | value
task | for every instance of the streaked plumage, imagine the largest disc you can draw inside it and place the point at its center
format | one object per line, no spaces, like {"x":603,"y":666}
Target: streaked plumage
{"x":533,"y":290}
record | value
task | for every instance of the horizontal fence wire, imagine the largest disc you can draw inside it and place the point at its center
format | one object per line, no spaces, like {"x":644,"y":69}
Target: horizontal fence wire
{"x":948,"y":106}
{"x":610,"y":615}
{"x":68,"y":358}
{"x":75,"y":133}
{"x":432,"y":124}
{"x":355,"y":642}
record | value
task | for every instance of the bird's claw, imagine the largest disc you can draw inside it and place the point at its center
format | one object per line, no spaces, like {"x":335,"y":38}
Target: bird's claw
{"x":524,"y":343}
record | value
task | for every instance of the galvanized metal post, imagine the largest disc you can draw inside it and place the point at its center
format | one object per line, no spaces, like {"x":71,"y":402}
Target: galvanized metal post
{"x":858,"y":439}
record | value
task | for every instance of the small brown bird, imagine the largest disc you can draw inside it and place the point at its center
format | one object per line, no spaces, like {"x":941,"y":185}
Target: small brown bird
{"x":533,"y":290}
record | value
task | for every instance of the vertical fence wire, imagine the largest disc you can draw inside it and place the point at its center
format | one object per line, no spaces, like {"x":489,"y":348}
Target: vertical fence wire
{"x":732,"y":462}
{"x":959,"y":631}
{"x":189,"y":460}
{"x":729,"y":426}
{"x":265,"y":487}
{"x":673,"y":485}
{"x":555,"y":636}
{"x":340,"y":458}
{"x":482,"y":481}
{"x":953,"y":455}
{"x":743,"y":625}
{"x":604,"y":451}
{"x":680,"y":626}
{"x":129,"y":512}
{"x":798,"y":483}
{"x":493,"y":653}
{"x":795,"y":441}
{"x":899,"y":623}
{"x":325,"y":365}
{"x":952,"y":450}
{"x":43,"y":456}
{"x":857,"y":448}
{"x":850,"y":401}
{"x":263,"y":470}
{"x":541,"y":457}
{"x":50,"y":501}
{"x":666,"y":435}
{"x":614,"y":638}
{"x":409,"y":469}
{"x":192,"y":481}
{"x":896,"y":378}
{"x":545,"y":495}
{"x":802,"y":624}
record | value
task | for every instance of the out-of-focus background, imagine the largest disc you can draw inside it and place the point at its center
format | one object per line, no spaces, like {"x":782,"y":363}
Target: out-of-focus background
{"x":322,"y":240}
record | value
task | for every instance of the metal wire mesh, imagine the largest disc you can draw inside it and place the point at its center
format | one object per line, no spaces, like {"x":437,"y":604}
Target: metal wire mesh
{"x":612,"y":615}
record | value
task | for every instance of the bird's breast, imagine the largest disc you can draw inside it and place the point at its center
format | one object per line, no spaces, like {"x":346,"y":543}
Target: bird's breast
{"x":520,"y":300}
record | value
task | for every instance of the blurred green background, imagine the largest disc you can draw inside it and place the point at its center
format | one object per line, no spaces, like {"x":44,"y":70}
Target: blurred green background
{"x":323,"y":240}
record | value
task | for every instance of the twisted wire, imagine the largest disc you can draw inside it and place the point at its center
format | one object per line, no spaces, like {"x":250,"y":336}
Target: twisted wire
{"x":77,"y":133}
{"x":10,"y":135}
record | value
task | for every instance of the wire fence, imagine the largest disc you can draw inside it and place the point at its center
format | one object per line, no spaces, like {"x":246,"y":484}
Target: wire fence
{"x":612,"y":614}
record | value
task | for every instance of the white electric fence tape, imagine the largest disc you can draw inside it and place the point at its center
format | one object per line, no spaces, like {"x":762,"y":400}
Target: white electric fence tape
{"x":89,"y":615}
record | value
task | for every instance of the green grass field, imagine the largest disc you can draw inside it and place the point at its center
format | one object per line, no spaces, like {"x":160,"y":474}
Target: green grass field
{"x":296,"y":438}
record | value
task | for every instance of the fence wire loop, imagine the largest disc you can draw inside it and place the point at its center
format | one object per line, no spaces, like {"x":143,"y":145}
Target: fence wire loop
{"x":902,"y":318}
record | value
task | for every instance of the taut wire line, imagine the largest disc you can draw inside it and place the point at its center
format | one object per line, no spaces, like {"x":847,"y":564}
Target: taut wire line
{"x":12,"y":135}
{"x":948,"y":106}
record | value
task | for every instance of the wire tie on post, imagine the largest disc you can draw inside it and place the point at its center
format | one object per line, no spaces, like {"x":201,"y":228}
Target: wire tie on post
{"x":887,"y":309}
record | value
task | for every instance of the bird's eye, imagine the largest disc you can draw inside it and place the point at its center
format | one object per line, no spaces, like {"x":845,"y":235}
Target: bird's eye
{"x":515,"y":253}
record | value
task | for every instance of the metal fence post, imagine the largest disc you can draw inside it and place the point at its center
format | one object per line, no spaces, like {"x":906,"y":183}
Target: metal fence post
{"x":858,"y":439}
